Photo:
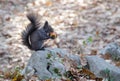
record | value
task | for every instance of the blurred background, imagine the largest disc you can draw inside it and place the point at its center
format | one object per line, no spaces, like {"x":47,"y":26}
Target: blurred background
{"x":83,"y":26}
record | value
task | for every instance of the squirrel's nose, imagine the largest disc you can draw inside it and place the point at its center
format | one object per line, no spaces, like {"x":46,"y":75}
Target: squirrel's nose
{"x":53,"y":35}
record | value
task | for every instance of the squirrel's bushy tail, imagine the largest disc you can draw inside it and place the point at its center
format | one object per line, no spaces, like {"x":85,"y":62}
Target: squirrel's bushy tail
{"x":34,"y":25}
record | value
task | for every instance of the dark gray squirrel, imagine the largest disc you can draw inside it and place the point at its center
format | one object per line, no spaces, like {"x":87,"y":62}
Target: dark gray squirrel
{"x":34,"y":35}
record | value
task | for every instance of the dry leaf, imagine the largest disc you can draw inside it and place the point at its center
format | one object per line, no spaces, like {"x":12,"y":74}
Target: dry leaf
{"x":8,"y":19}
{"x":106,"y":56}
{"x":97,"y":33}
{"x":33,"y":3}
{"x":117,"y":64}
{"x":91,"y":75}
{"x":7,"y":74}
{"x":75,"y":23}
{"x":48,"y":3}
{"x":93,"y":52}
{"x":49,"y":80}
{"x":18,"y":78}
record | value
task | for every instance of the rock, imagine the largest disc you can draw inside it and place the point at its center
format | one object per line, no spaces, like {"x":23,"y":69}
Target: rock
{"x":49,"y":63}
{"x":75,"y":58}
{"x":64,"y":53}
{"x":57,"y":68}
{"x":113,"y":49}
{"x":103,"y":69}
{"x":38,"y":63}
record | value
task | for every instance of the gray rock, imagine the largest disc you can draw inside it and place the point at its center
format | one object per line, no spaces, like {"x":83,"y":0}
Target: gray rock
{"x":113,"y":49}
{"x":57,"y":68}
{"x":103,"y":69}
{"x":64,"y":53}
{"x":75,"y":58}
{"x":38,"y":62}
{"x":48,"y":63}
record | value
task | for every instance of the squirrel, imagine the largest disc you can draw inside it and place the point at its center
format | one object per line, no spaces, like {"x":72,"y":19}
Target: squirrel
{"x":34,"y":35}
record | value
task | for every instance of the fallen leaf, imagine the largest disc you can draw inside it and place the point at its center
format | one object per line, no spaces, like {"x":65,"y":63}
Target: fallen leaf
{"x":93,"y":52}
{"x":48,"y":3}
{"x":8,"y":19}
{"x":97,"y":33}
{"x":117,"y":64}
{"x":106,"y":56}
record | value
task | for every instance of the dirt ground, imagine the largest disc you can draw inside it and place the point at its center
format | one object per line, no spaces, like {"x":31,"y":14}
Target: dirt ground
{"x":83,"y":26}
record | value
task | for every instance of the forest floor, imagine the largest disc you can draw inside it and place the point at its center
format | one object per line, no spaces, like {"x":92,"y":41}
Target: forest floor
{"x":83,"y":26}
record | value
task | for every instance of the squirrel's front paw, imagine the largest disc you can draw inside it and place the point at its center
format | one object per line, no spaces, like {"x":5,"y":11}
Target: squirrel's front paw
{"x":43,"y":48}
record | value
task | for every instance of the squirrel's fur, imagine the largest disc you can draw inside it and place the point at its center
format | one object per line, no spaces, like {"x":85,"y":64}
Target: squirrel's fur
{"x":34,"y":35}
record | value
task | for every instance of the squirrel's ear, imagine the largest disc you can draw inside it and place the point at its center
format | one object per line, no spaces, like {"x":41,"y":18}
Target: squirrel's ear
{"x":46,"y":23}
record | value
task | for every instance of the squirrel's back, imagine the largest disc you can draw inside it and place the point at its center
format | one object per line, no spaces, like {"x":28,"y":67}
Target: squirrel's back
{"x":33,"y":26}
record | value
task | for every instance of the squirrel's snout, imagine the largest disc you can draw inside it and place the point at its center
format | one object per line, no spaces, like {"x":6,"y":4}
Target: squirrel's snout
{"x":53,"y":35}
